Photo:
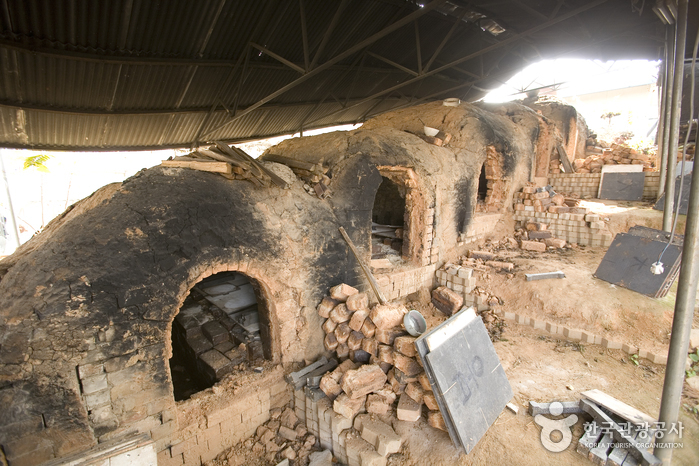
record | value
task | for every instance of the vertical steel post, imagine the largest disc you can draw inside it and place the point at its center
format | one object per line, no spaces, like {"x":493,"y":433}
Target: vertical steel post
{"x":664,"y":124}
{"x":678,"y":73}
{"x":681,"y":324}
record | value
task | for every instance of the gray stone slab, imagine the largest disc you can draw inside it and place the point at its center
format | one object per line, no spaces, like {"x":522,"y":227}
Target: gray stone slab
{"x":301,"y":374}
{"x":544,"y":275}
{"x":466,"y":375}
{"x":569,"y":407}
{"x":684,"y":196}
{"x":217,"y":290}
{"x":241,"y":298}
{"x":628,"y":260}
{"x":622,"y":186}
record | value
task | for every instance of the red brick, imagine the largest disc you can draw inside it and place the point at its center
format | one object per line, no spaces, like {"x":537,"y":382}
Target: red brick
{"x":446,"y":300}
{"x":533,"y":246}
{"x":357,"y":320}
{"x":325,"y":306}
{"x":354,"y":342}
{"x":408,"y":409}
{"x":405,"y":345}
{"x":435,"y":419}
{"x":555,"y":242}
{"x":386,"y":316}
{"x":342,"y":292}
{"x":342,"y":332}
{"x":360,"y":382}
{"x":340,"y":313}
{"x":347,"y":406}
{"x":358,"y":301}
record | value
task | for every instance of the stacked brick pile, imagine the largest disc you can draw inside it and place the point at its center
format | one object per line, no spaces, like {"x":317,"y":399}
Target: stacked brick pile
{"x":282,"y":437}
{"x":548,"y":221}
{"x":460,"y":279}
{"x":616,"y":154}
{"x":380,"y":363}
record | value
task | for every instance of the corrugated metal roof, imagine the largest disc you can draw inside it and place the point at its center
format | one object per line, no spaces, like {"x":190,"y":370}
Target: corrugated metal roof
{"x":125,"y":74}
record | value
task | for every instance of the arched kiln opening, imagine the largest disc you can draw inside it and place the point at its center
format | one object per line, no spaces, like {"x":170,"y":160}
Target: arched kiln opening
{"x":388,"y":219}
{"x":222,"y":327}
{"x":482,"y":186}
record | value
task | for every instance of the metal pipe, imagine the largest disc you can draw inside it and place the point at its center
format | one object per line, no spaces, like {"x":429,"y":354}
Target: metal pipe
{"x":684,"y":302}
{"x":9,"y":198}
{"x":678,"y":73}
{"x":681,"y":323}
{"x":664,"y":124}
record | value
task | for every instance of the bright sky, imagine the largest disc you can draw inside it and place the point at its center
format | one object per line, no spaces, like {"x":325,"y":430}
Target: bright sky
{"x":576,"y":77}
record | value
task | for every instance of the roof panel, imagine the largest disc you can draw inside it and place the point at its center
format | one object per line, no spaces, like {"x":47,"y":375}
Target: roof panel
{"x":142,"y":73}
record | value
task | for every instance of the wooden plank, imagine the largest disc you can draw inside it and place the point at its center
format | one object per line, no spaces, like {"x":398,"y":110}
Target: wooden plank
{"x":564,"y":159}
{"x":239,"y":153}
{"x":372,"y":281}
{"x":293,"y":163}
{"x":223,"y":158}
{"x":617,"y":407}
{"x":201,"y":165}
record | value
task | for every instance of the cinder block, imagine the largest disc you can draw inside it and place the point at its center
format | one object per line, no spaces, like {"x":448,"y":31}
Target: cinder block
{"x":630,"y":349}
{"x":379,"y":434}
{"x":408,"y":409}
{"x":609,"y":344}
{"x":572,"y":334}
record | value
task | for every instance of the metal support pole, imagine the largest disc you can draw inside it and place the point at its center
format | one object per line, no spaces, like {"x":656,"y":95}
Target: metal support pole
{"x":678,"y":73}
{"x":9,"y":199}
{"x":681,"y":323}
{"x":664,"y":124}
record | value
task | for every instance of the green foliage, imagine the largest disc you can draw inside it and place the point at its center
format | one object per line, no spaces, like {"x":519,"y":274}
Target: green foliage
{"x":38,"y":162}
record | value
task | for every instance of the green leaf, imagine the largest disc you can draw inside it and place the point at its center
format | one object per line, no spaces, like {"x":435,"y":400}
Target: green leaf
{"x":694,"y":357}
{"x":37,"y":161}
{"x":690,"y":373}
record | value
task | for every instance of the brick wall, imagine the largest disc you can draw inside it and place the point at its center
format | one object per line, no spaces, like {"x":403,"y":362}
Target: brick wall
{"x":399,"y":284}
{"x":211,"y":423}
{"x":586,"y":185}
{"x":481,"y":225}
{"x":575,"y":228}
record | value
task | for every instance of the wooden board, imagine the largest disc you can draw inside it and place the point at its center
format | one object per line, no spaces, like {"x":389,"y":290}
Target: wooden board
{"x":628,"y":260}
{"x":203,"y":165}
{"x":617,"y":407}
{"x":622,"y":186}
{"x":564,"y":159}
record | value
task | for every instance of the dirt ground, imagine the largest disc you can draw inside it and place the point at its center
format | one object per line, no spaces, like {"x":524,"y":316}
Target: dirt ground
{"x":541,"y":367}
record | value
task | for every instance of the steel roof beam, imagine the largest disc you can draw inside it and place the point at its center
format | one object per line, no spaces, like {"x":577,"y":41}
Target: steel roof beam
{"x":304,"y":36}
{"x":349,"y":52}
{"x":444,"y":42}
{"x":279,"y":58}
{"x":483,"y":51}
{"x":418,"y":48}
{"x":392,"y":63}
{"x":328,"y":33}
